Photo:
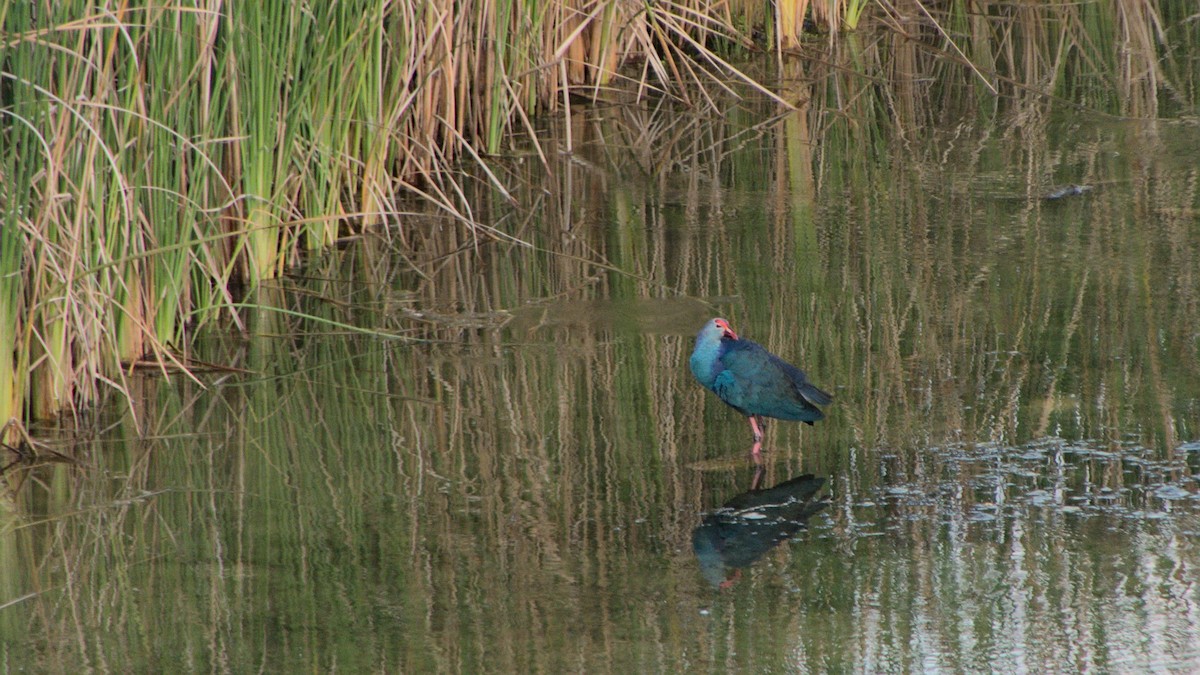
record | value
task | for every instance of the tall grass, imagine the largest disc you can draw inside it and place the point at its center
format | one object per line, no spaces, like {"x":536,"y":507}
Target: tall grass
{"x":157,"y":156}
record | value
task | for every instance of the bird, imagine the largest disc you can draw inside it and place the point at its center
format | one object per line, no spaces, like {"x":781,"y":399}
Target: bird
{"x":752,"y":380}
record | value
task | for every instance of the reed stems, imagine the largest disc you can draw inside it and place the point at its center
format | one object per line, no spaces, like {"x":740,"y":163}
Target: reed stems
{"x":155,"y":155}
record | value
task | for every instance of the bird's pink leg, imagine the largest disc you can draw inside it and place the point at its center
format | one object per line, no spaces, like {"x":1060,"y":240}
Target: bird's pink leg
{"x":755,"y":429}
{"x":760,"y":472}
{"x":756,"y":453}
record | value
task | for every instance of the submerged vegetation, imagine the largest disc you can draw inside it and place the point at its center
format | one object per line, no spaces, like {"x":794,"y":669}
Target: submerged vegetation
{"x":158,"y":158}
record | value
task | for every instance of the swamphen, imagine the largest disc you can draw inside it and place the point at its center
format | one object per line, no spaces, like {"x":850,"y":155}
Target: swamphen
{"x":752,"y":380}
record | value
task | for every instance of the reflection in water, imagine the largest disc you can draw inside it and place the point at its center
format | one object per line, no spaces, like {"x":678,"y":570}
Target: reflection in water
{"x":752,"y":523}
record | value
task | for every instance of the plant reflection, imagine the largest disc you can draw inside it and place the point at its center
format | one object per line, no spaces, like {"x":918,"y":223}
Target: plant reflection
{"x":752,"y":523}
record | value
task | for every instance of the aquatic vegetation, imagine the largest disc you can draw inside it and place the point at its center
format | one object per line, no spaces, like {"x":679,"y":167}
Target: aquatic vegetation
{"x":159,"y":158}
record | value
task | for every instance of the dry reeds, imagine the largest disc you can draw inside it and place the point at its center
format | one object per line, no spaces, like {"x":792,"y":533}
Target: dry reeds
{"x":157,"y":156}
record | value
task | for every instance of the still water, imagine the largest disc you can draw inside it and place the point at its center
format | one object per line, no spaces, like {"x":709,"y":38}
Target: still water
{"x":477,"y":454}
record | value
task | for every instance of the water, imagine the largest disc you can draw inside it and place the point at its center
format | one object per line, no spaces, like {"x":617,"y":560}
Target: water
{"x":506,"y":472}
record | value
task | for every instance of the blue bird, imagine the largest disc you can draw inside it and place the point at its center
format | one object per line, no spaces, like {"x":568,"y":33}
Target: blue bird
{"x":752,"y":380}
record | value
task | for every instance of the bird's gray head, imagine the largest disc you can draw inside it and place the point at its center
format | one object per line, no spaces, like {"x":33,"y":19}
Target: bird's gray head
{"x":705,"y":361}
{"x":715,"y":330}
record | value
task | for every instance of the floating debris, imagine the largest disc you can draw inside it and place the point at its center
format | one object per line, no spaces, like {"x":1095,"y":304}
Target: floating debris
{"x":981,"y":483}
{"x":1168,"y":491}
{"x":1067,"y":191}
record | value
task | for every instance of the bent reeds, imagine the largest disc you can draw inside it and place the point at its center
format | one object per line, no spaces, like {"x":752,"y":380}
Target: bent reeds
{"x":154,"y":155}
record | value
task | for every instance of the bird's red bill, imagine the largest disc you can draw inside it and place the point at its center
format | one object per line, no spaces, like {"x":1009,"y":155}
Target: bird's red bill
{"x":724,"y":325}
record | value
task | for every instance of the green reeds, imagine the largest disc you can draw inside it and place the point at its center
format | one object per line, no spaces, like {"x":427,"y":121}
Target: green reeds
{"x":156,"y":153}
{"x":12,"y":257}
{"x":106,"y":184}
{"x":852,"y":12}
{"x":266,"y":39}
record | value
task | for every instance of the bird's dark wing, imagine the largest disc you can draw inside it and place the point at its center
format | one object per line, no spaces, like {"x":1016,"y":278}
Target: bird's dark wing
{"x":808,"y":390}
{"x":757,"y":382}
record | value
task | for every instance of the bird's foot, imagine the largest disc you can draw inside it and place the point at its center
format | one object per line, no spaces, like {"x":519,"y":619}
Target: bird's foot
{"x":731,"y":580}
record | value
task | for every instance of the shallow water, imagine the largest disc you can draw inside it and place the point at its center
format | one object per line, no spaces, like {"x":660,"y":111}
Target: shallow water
{"x":508,"y":471}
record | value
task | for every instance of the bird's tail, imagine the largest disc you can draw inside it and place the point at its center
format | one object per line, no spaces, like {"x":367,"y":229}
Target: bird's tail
{"x":814,"y":395}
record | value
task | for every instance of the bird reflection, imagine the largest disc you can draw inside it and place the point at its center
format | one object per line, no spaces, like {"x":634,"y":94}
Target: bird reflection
{"x":736,"y":535}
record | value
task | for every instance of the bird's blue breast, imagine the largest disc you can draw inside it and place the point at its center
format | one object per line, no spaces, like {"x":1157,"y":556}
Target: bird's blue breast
{"x":706,"y":363}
